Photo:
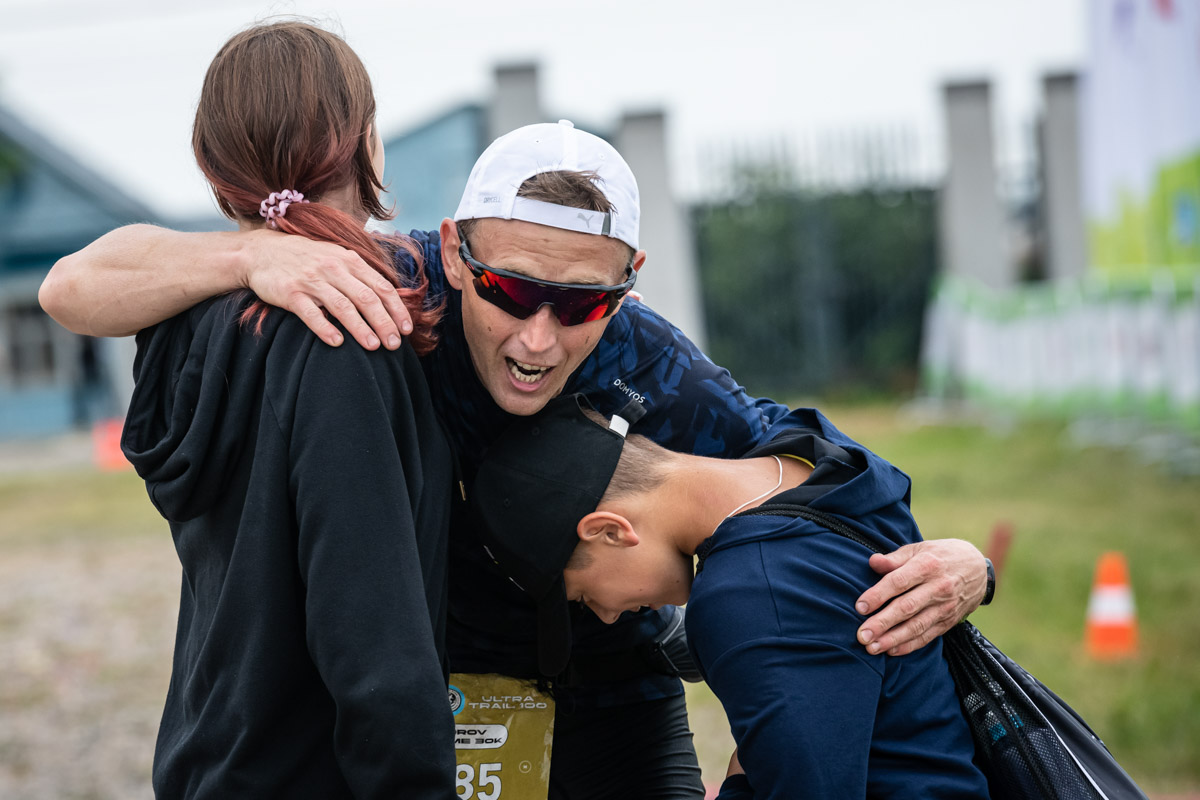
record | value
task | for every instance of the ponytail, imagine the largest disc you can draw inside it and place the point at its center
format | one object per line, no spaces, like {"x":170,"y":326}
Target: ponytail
{"x":265,"y":132}
{"x":325,"y":223}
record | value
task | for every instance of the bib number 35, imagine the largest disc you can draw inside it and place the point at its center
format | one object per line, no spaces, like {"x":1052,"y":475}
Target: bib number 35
{"x":485,"y":786}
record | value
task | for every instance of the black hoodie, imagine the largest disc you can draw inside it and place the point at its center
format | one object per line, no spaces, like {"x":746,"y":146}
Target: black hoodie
{"x":307,"y":489}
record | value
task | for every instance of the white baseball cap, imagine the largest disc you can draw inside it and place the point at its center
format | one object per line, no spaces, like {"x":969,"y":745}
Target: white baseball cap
{"x":515,"y":157}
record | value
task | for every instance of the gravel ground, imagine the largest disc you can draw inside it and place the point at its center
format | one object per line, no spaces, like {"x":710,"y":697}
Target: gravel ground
{"x":87,"y":625}
{"x":85,"y":649}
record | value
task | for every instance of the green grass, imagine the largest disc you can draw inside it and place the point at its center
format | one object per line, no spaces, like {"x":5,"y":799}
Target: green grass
{"x":1066,"y":506}
{"x":60,"y":507}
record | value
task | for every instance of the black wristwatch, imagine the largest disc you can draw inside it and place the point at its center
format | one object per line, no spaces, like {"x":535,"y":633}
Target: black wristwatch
{"x":991,"y":583}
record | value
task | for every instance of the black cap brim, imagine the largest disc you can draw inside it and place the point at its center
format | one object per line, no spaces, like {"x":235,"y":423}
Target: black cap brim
{"x":541,"y":476}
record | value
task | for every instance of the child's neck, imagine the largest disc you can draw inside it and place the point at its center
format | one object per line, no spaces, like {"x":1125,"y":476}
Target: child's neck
{"x":708,"y":490}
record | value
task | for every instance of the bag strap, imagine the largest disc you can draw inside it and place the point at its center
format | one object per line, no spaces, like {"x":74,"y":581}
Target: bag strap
{"x":835,"y":524}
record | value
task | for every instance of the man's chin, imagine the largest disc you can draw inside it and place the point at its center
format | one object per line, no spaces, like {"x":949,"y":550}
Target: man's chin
{"x":524,"y":403}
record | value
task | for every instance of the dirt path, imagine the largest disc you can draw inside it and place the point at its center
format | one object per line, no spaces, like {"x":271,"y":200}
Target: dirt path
{"x":86,"y":630}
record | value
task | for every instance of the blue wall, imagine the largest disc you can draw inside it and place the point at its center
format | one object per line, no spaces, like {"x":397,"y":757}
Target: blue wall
{"x":426,"y":169}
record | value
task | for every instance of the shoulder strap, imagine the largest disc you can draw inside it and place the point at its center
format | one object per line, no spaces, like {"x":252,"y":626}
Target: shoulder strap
{"x":835,"y":524}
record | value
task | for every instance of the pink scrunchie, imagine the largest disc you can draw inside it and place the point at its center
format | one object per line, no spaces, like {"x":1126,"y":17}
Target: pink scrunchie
{"x":276,"y":204}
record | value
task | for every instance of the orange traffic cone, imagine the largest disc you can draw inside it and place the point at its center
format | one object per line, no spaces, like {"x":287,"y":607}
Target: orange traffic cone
{"x":1111,"y":623}
{"x":106,"y":445}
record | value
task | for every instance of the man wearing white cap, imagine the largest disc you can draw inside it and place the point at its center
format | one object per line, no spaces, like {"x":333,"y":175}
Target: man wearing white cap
{"x":535,"y":271}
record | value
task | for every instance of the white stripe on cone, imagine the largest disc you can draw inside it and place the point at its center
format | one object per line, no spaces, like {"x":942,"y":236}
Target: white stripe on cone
{"x":1111,"y":605}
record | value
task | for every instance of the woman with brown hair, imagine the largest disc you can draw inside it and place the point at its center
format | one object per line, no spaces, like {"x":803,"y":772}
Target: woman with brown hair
{"x":306,"y":486}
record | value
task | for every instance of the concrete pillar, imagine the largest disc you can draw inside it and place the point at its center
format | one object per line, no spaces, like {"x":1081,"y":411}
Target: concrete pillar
{"x":118,"y":355}
{"x":669,"y":281}
{"x":972,"y":230}
{"x":1062,"y":180}
{"x":6,"y":367}
{"x":515,"y":99}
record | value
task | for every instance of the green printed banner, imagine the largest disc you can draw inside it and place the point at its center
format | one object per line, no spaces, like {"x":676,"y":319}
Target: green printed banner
{"x":1141,"y":130}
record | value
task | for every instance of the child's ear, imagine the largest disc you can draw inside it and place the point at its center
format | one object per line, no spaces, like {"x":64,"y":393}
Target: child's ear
{"x":607,"y":528}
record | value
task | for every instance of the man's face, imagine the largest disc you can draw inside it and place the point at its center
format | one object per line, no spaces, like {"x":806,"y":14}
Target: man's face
{"x":525,"y":363}
{"x":619,"y":578}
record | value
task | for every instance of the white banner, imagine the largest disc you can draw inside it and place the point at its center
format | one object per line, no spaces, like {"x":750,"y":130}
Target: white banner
{"x":1141,"y":132}
{"x":1095,"y":347}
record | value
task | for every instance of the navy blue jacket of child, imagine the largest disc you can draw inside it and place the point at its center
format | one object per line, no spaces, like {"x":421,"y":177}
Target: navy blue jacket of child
{"x":771,"y":622}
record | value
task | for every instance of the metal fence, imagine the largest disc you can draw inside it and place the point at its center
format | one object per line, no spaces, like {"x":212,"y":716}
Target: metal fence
{"x":817,"y":263}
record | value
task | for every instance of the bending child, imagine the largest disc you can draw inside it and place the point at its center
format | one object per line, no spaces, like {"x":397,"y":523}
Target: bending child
{"x":578,"y":512}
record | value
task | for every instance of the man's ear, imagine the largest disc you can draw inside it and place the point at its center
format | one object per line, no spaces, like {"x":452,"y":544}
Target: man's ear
{"x":451,"y":264}
{"x":608,"y":528}
{"x":639,"y":258}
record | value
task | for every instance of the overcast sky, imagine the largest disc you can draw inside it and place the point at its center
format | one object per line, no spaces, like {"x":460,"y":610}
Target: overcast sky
{"x":116,"y":81}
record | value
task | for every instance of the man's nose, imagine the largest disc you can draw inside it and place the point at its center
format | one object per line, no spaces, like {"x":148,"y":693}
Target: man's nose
{"x":540,"y":331}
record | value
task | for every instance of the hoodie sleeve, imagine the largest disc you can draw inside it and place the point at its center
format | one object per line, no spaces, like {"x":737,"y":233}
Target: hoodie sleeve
{"x":802,"y":714}
{"x":367,"y":617}
{"x":736,"y":787}
{"x":770,"y":622}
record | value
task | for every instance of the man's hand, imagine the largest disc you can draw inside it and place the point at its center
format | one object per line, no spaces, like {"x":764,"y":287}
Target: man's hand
{"x":927,"y":587}
{"x":305,"y":276}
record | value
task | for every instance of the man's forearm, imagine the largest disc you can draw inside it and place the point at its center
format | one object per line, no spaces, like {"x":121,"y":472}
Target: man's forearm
{"x":136,"y":276}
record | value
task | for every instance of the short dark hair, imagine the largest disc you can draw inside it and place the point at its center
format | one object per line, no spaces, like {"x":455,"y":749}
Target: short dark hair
{"x":567,"y":188}
{"x":641,"y":468}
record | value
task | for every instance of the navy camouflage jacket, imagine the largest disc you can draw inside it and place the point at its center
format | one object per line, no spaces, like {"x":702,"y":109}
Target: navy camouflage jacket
{"x":692,"y":405}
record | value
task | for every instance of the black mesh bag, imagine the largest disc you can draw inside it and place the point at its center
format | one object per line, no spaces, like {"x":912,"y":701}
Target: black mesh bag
{"x":1029,"y":743}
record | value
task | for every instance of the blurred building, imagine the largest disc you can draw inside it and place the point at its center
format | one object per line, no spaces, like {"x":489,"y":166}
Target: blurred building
{"x":51,"y":204}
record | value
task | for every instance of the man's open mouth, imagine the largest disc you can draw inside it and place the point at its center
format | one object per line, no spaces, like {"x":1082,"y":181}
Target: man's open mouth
{"x":526,"y":373}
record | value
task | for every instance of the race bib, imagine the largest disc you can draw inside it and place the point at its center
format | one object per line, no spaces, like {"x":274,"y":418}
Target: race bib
{"x":503,"y":732}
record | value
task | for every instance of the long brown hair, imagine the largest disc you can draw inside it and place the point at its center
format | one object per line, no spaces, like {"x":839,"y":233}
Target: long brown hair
{"x":287,"y":105}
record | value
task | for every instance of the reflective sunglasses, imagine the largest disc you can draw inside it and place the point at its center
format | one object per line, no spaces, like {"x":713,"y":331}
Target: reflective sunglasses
{"x":521,"y":296}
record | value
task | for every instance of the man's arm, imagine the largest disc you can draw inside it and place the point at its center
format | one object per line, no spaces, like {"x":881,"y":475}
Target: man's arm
{"x":139,"y":275}
{"x":696,"y":406}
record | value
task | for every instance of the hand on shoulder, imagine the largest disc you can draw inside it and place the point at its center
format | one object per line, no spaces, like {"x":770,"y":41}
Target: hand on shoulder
{"x":319,"y":280}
